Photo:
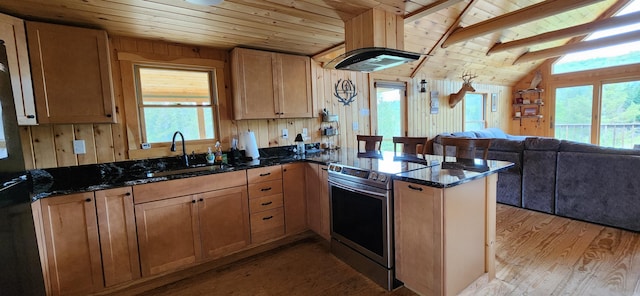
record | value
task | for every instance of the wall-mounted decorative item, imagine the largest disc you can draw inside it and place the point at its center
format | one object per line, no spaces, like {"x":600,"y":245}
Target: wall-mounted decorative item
{"x":494,"y":102}
{"x":531,"y":111}
{"x":435,"y":102}
{"x":345,"y":91}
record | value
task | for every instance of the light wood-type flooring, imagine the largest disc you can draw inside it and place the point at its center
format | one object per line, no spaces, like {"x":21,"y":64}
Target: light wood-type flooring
{"x":537,"y":254}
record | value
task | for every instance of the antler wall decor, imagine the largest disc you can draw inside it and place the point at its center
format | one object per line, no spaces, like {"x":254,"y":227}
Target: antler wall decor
{"x":345,"y":91}
{"x":466,"y":87}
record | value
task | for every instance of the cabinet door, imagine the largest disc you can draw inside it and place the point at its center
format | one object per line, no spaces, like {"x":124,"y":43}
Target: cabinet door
{"x":253,"y":84}
{"x":116,"y":222}
{"x":224,"y":221}
{"x":318,"y":216}
{"x":418,"y":237}
{"x":15,"y":39}
{"x":168,"y":234}
{"x":71,"y":74}
{"x":325,"y":214}
{"x":295,"y":208}
{"x":294,"y":86}
{"x":72,"y":244}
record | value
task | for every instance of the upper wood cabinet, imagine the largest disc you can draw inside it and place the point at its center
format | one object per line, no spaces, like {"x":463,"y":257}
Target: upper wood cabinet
{"x":270,"y":85}
{"x":71,"y":74}
{"x":15,"y":40}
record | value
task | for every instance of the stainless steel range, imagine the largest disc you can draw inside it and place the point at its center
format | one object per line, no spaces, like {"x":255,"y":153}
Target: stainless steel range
{"x":361,"y":198}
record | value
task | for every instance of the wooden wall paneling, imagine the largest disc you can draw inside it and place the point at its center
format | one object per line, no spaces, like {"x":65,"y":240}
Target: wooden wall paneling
{"x":85,"y":132}
{"x":44,"y":148}
{"x":63,"y":139}
{"x":27,"y":148}
{"x":118,"y":131}
{"x":105,"y":142}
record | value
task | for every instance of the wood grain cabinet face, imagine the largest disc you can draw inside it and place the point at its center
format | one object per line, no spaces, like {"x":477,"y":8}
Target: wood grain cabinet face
{"x":178,"y":231}
{"x":71,"y":74}
{"x":295,"y":206}
{"x":118,"y":239}
{"x":270,"y":85}
{"x":267,"y":219}
{"x":317,"y":199}
{"x":15,"y":40}
{"x":72,"y":245}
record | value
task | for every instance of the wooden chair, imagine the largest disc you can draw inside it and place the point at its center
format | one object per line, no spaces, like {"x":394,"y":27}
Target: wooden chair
{"x":371,"y":143}
{"x":410,"y":145}
{"x":466,"y":147}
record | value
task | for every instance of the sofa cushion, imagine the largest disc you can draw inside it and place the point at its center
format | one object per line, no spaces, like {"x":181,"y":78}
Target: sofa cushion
{"x":492,"y":132}
{"x":506,"y":145}
{"x":541,"y":143}
{"x":571,"y":146}
{"x":464,"y":135}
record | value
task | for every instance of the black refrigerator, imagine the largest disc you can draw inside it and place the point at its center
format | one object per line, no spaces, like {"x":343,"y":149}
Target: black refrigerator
{"x":20,"y":269}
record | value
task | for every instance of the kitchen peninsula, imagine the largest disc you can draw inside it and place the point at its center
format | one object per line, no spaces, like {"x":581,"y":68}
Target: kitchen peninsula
{"x":153,"y":184}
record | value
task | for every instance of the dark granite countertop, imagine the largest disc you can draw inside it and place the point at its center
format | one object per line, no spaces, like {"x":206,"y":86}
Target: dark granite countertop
{"x":67,"y":180}
{"x":453,"y":171}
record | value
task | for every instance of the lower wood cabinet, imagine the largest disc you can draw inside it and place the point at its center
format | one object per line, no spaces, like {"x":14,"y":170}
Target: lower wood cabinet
{"x":266,"y":200}
{"x":72,"y":262}
{"x":178,"y":231}
{"x":317,"y":199}
{"x":295,"y":205}
{"x":87,"y":240}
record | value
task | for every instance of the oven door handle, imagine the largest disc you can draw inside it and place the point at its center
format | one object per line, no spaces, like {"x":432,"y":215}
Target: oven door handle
{"x":358,"y":190}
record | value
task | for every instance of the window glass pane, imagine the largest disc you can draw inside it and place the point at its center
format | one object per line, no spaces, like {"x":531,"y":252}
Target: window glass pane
{"x":574,"y":113}
{"x":174,"y":87}
{"x":161,"y":123}
{"x":389,"y":111}
{"x":617,"y":55}
{"x":473,"y":111}
{"x":620,"y":118}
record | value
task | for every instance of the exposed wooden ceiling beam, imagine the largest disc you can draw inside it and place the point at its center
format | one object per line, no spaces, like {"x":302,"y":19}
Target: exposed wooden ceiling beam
{"x":579,"y":30}
{"x":514,"y":18}
{"x":444,"y":36}
{"x":429,"y":9}
{"x":577,"y":47}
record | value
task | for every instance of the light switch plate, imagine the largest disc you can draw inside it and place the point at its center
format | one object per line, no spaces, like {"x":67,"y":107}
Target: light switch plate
{"x":79,"y":147}
{"x":304,"y":132}
{"x":355,"y":125}
{"x":285,"y":133}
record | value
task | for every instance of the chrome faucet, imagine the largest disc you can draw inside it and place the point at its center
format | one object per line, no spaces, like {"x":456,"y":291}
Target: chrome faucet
{"x":184,"y":151}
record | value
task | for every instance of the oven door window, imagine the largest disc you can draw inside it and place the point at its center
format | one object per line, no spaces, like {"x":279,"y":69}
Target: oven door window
{"x":359,"y":218}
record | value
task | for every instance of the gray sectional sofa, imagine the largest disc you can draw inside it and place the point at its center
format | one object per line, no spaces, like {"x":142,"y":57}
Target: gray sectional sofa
{"x":565,"y":178}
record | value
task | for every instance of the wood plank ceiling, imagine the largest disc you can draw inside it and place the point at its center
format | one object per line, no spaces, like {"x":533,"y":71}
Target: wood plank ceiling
{"x":314,"y":27}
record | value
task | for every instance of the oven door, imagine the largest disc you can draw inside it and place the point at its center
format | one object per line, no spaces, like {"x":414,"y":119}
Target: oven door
{"x":360,"y":219}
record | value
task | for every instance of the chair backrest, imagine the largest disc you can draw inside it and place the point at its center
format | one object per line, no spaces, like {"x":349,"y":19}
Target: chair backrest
{"x":410,"y":145}
{"x":465,"y":147}
{"x":371,"y":143}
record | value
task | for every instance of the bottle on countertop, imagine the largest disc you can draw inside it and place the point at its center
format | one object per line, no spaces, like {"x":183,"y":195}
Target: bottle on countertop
{"x":210,"y":157}
{"x":218,"y":157}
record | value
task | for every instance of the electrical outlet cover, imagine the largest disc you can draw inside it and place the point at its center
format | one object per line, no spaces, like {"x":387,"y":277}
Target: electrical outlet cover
{"x":79,"y":147}
{"x":285,"y":133}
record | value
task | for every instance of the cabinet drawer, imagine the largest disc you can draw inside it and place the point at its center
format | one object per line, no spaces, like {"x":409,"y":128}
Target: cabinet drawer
{"x":265,"y":203}
{"x":266,"y":225}
{"x":264,"y":174}
{"x":265,"y":188}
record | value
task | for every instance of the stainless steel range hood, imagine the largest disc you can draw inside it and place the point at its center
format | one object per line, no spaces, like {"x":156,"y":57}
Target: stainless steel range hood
{"x":371,"y":59}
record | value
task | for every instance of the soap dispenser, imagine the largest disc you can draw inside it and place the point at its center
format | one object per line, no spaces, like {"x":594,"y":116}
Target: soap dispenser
{"x":218,"y":157}
{"x":210,"y":157}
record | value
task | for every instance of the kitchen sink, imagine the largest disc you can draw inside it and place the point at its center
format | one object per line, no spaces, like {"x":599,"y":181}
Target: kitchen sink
{"x":193,"y":169}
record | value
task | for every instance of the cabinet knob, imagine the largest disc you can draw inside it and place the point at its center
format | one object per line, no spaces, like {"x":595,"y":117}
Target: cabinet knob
{"x":109,"y":115}
{"x":31,"y":116}
{"x":88,"y":200}
{"x":265,"y":189}
{"x":266,"y":174}
{"x":266,"y":203}
{"x":267,"y":218}
{"x":202,"y":199}
{"x":193,"y":201}
{"x":128,"y":194}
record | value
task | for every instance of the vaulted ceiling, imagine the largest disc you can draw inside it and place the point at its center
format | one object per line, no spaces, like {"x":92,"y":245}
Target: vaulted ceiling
{"x":316,"y":27}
